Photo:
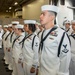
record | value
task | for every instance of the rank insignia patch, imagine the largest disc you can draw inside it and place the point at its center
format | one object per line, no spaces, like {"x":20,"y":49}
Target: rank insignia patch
{"x":65,"y":50}
{"x":53,"y":33}
{"x":51,"y":38}
{"x":36,"y":44}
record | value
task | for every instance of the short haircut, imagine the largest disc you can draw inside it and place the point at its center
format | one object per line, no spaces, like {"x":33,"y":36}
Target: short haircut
{"x":32,"y":27}
{"x":21,"y":29}
{"x":14,"y":24}
{"x":53,"y":13}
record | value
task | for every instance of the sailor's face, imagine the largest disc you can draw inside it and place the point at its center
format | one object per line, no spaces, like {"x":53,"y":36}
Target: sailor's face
{"x":67,"y":25}
{"x":5,"y":29}
{"x":26,"y":27}
{"x":13,"y":26}
{"x":16,"y":30}
{"x":73,"y":26}
{"x":45,"y":18}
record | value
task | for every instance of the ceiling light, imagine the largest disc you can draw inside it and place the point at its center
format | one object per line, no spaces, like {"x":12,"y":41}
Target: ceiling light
{"x":15,"y":9}
{"x":15,"y":3}
{"x":10,"y":7}
{"x":6,"y":10}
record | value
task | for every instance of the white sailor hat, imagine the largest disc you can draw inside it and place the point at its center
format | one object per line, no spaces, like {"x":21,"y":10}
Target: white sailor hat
{"x":19,"y":26}
{"x":29,"y":22}
{"x":15,"y":22}
{"x":73,"y":21}
{"x":50,"y":8}
{"x":67,"y":21}
{"x":5,"y":26}
{"x":9,"y":25}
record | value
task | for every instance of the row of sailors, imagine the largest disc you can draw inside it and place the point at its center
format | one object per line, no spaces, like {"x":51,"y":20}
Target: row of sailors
{"x":18,"y":47}
{"x":70,"y":29}
{"x":43,"y":50}
{"x":17,"y":37}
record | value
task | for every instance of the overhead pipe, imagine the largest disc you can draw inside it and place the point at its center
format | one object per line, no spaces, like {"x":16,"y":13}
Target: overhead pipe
{"x":25,"y":1}
{"x":70,"y":7}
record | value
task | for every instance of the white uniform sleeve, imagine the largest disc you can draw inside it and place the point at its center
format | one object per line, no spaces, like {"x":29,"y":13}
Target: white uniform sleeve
{"x":65,"y":57}
{"x":35,"y":49}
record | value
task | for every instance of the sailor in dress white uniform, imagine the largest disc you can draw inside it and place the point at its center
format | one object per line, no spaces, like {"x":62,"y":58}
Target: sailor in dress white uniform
{"x":30,"y":48}
{"x":72,"y":38}
{"x":54,"y":57}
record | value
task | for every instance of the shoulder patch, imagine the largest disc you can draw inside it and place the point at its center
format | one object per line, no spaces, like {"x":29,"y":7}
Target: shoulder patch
{"x":65,"y":50}
{"x":36,"y":44}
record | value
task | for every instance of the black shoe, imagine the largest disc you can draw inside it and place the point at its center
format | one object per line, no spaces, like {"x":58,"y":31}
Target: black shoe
{"x":3,"y":60}
{"x":9,"y":70}
{"x":5,"y":64}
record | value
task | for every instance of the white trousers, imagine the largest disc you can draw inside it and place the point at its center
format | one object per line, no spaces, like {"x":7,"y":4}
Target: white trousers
{"x":17,"y":68}
{"x":14,"y":68}
{"x":10,"y":60}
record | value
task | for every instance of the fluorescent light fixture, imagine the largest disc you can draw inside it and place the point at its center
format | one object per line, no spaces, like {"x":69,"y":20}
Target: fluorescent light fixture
{"x":70,"y":7}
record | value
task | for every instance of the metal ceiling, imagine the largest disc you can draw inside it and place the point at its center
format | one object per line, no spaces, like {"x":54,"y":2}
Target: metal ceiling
{"x":5,"y":4}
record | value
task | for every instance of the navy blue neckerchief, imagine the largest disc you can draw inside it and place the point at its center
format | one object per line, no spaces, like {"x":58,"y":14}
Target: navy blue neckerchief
{"x":43,"y":39}
{"x":24,"y":40}
{"x":73,"y":35}
{"x":67,"y":30}
{"x":7,"y":36}
{"x":15,"y":40}
{"x":11,"y":36}
{"x":3,"y":34}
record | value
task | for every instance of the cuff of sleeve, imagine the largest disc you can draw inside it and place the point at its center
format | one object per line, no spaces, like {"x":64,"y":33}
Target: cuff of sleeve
{"x":33,"y":65}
